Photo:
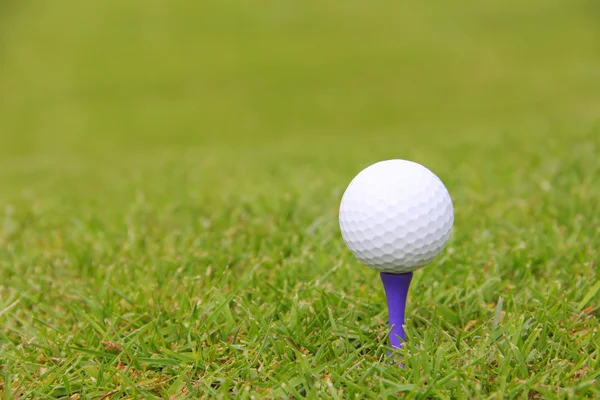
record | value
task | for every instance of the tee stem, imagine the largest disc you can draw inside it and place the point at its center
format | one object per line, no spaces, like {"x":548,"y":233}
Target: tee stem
{"x":396,"y":292}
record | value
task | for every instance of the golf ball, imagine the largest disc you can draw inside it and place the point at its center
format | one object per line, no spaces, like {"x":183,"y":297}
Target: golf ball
{"x":396,"y":216}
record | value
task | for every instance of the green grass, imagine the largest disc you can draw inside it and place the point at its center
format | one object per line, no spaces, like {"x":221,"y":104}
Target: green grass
{"x":170,"y":175}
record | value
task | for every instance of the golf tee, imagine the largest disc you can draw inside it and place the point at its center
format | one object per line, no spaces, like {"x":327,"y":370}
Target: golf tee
{"x":396,"y":292}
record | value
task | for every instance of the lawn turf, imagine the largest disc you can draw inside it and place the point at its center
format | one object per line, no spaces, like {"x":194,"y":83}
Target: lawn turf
{"x":170,"y":175}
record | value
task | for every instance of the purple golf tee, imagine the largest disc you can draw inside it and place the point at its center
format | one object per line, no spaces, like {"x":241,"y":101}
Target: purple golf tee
{"x":396,"y":292}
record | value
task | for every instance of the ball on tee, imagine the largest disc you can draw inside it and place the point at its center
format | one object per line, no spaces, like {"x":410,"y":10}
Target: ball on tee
{"x":396,"y":216}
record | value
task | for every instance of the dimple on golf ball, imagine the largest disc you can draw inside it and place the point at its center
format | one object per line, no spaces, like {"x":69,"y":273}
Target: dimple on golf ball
{"x":396,"y":216}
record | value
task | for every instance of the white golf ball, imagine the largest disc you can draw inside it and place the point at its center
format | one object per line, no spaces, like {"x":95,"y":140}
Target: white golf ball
{"x":396,"y":216}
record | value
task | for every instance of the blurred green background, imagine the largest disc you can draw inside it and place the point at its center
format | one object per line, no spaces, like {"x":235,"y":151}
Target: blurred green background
{"x":112,"y":78}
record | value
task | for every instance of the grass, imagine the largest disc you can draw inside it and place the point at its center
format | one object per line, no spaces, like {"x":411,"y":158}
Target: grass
{"x":171,"y":177}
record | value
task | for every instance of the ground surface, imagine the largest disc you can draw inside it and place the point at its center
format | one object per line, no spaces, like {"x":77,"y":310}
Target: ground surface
{"x":170,"y":175}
